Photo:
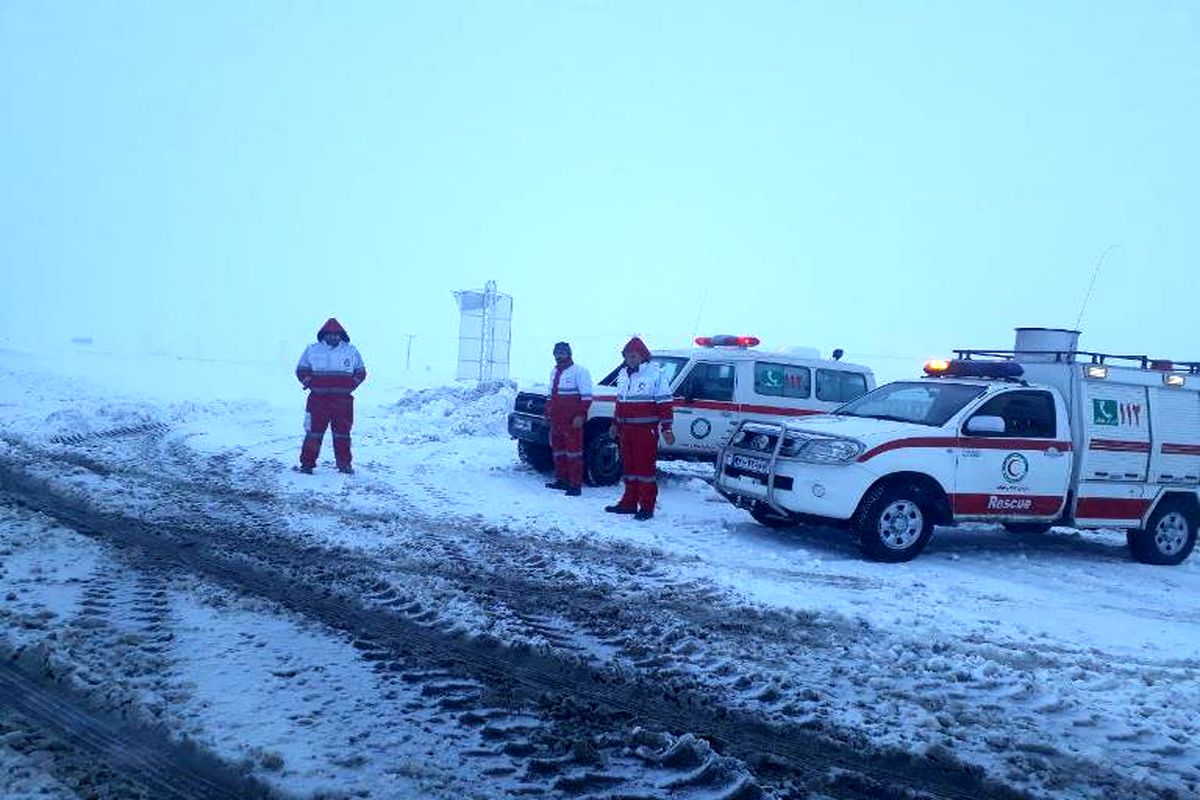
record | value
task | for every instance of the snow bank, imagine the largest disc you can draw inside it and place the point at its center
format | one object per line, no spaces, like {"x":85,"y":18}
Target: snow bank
{"x":445,"y":411}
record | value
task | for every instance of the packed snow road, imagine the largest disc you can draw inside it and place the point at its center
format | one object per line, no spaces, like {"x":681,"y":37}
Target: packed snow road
{"x":439,"y":625}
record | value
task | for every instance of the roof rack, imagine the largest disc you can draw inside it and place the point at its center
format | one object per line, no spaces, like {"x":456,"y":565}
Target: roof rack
{"x":1072,"y":356}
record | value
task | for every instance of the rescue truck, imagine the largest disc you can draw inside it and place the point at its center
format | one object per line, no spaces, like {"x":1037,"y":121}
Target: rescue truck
{"x":719,"y":384}
{"x":1037,"y":436}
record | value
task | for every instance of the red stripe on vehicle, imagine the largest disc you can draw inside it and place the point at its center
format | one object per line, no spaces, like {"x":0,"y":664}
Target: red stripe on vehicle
{"x":1110,"y":508}
{"x":1119,"y":446}
{"x":967,"y":443}
{"x":747,"y":408}
{"x":1006,"y":504}
{"x":1181,"y":449}
{"x":781,"y":411}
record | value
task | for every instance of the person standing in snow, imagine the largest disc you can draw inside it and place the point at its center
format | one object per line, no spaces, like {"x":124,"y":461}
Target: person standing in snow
{"x":644,"y":407}
{"x":570,"y":396}
{"x":330,"y":369}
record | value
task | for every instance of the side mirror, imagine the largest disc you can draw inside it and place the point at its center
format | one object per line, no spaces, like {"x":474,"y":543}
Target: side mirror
{"x":985,"y":425}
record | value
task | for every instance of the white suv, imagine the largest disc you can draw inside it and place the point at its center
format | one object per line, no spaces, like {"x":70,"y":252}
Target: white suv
{"x":717,"y":386}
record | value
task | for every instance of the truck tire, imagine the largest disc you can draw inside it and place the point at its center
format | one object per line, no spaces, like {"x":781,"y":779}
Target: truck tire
{"x":1169,"y":536}
{"x":893,"y":524}
{"x":601,"y":457}
{"x":763,"y":515}
{"x":537,"y":456}
{"x":1023,"y":528}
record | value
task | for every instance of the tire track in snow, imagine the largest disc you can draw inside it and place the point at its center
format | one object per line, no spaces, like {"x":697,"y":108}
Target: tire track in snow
{"x":513,"y":675}
{"x":98,"y":755}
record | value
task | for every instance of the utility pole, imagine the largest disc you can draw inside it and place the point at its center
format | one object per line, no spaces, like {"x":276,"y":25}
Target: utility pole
{"x":408,"y":351}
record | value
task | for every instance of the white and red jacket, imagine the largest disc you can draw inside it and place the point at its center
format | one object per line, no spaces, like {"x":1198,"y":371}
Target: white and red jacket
{"x":570,"y":393}
{"x":644,"y":397}
{"x":329,"y":370}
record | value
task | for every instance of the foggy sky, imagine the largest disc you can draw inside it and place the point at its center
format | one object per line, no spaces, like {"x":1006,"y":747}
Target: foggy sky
{"x":217,"y":178}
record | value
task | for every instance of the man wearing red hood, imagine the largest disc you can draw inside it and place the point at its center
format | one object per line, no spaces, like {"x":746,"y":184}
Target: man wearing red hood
{"x":644,"y":406}
{"x":330,"y":369}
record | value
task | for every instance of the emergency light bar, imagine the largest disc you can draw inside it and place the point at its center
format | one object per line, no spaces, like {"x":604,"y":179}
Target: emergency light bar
{"x":969,"y":368}
{"x":727,"y":341}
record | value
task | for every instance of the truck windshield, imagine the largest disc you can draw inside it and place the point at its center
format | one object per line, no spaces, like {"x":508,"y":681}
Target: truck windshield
{"x":670,"y":366}
{"x":924,"y":403}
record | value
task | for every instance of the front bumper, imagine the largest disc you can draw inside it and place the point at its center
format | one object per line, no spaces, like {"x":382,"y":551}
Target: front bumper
{"x":529,"y":427}
{"x":794,"y":488}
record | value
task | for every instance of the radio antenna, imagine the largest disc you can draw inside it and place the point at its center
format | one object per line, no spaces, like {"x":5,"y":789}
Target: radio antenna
{"x":1095,"y":273}
{"x":699,"y":313}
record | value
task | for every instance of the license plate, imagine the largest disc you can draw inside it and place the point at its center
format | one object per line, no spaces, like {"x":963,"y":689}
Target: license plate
{"x":522,"y":424}
{"x":749,"y":463}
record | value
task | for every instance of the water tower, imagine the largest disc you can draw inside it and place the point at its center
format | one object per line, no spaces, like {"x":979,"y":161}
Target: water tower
{"x":484,"y":334}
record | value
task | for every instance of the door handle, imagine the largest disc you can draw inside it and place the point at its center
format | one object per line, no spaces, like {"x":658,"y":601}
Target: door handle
{"x":1054,"y":452}
{"x":683,"y":411}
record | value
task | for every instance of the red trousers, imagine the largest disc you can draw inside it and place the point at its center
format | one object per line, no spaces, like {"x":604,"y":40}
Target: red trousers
{"x":639,"y":457}
{"x":566,"y":442}
{"x":323,"y":411}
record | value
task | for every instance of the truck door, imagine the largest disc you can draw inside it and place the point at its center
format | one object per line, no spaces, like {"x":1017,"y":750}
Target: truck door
{"x":1175,"y":444}
{"x":1116,"y":425}
{"x":705,"y":411}
{"x":1022,"y":472}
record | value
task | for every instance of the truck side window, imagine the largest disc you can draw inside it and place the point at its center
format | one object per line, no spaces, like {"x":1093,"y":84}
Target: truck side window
{"x":781,"y":380}
{"x":1027,"y":414}
{"x":708,"y":382}
{"x":836,"y":386}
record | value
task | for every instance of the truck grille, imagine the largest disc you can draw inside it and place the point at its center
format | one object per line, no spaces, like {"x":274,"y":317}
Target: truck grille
{"x":530,"y":403}
{"x":756,"y":438}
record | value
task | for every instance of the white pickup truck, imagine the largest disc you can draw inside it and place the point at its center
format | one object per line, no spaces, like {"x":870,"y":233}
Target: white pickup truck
{"x":1038,"y":436}
{"x":718,"y":385}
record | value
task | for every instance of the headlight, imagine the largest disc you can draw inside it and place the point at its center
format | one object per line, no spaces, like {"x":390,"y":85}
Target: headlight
{"x":830,"y":451}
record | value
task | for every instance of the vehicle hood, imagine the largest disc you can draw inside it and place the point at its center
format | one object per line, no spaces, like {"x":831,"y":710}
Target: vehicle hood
{"x":867,"y":430}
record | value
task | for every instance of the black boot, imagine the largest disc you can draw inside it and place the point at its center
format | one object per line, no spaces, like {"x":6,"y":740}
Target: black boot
{"x":557,"y":484}
{"x":643,"y":515}
{"x":574,"y":491}
{"x":620,"y":509}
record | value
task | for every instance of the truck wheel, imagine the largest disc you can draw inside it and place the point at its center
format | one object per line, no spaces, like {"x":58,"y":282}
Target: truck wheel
{"x":764,"y":515}
{"x":537,"y":456}
{"x":893,"y":524}
{"x":1024,"y":528}
{"x":1169,"y":535}
{"x":602,"y":459}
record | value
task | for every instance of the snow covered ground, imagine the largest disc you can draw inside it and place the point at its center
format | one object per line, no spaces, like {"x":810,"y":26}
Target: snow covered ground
{"x":1053,"y":665}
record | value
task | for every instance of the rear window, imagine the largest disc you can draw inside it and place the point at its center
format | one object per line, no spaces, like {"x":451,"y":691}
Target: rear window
{"x":781,"y":380}
{"x":837,"y":386}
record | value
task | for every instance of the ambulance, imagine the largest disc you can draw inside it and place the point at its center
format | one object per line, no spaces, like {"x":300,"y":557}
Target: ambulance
{"x":1037,"y":436}
{"x":721,"y":383}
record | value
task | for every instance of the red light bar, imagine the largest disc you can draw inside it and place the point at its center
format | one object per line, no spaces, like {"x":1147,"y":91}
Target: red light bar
{"x":727,"y":341}
{"x":1161,"y":365}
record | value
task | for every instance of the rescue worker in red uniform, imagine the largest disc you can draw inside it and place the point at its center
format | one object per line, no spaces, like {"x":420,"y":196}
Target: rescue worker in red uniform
{"x":644,"y":407}
{"x":570,"y":396}
{"x":330,"y":369}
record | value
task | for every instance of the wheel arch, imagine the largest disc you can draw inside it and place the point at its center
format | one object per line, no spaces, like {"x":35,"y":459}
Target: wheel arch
{"x":938,"y":499}
{"x":1188,"y":499}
